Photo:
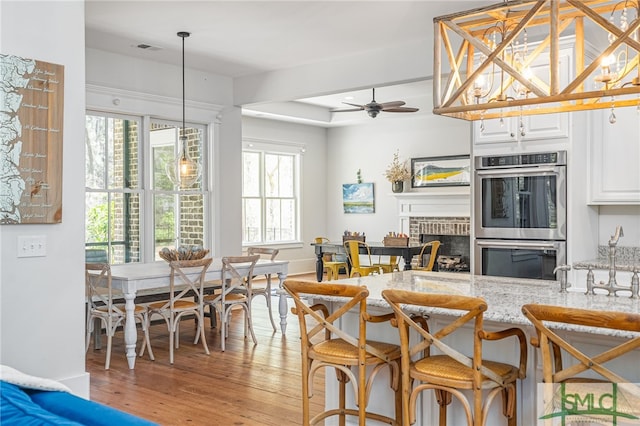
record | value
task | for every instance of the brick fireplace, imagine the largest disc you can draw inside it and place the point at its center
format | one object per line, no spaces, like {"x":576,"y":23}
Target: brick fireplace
{"x":441,"y":214}
{"x":453,"y":234}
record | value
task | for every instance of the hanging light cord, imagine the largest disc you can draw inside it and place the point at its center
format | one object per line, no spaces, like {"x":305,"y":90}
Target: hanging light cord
{"x":184,"y":35}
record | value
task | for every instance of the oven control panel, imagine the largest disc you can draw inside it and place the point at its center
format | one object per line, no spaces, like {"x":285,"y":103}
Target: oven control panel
{"x":558,"y":158}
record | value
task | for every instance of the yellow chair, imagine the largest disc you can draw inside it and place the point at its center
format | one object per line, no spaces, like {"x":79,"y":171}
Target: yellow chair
{"x":352,"y":247}
{"x":451,"y":371}
{"x":434,"y":246}
{"x":393,"y":265}
{"x":354,"y":358}
{"x":332,"y":266}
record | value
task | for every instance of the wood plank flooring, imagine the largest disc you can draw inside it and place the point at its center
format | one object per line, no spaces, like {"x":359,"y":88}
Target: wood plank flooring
{"x":245,"y":385}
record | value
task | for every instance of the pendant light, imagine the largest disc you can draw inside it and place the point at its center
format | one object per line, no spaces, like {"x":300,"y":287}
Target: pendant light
{"x":184,"y":171}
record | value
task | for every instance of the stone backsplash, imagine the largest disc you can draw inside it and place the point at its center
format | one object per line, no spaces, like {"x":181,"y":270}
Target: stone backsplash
{"x":623,"y":254}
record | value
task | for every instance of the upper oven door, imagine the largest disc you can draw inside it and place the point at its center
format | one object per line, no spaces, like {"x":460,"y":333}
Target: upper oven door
{"x":521,"y":203}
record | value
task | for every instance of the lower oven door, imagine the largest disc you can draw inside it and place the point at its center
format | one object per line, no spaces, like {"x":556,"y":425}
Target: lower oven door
{"x":519,"y":258}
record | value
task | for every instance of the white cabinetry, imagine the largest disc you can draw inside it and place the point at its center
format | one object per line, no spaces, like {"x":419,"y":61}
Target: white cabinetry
{"x":535,"y":127}
{"x":614,"y":158}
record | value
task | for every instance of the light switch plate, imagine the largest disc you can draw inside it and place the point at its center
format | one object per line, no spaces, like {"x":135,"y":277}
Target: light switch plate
{"x":32,"y":246}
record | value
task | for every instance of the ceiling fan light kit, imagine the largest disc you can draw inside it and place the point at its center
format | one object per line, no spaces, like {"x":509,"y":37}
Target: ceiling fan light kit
{"x":374,"y":108}
{"x":483,"y":58}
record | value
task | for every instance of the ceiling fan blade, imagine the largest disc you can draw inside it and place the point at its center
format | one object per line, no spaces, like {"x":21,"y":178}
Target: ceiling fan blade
{"x":354,"y":105}
{"x":393,"y":104}
{"x":347,"y":110}
{"x":401,"y":109}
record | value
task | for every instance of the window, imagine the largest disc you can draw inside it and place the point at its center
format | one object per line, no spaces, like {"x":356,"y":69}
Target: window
{"x":270,"y":198}
{"x":120,"y":199}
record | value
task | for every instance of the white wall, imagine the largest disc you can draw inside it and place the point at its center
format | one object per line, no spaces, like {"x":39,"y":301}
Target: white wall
{"x":313,"y":181}
{"x":626,"y":216}
{"x":370,"y":148}
{"x":42,"y":300}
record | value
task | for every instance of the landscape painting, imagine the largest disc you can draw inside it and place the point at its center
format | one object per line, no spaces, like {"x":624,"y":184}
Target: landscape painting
{"x":358,"y":198}
{"x":440,"y":171}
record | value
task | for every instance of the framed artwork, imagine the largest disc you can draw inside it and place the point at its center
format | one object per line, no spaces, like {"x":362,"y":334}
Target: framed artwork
{"x":358,"y":198}
{"x":452,"y":170}
{"x":31,"y":141}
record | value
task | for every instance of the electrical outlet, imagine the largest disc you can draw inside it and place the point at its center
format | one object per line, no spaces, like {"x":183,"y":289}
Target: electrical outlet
{"x":32,"y":246}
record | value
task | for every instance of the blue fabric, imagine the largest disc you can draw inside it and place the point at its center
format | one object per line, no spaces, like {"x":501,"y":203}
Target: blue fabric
{"x":84,"y":411}
{"x":17,"y":408}
{"x":28,"y":407}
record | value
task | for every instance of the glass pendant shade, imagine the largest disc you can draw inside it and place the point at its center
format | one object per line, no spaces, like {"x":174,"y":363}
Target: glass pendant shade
{"x":184,"y":172}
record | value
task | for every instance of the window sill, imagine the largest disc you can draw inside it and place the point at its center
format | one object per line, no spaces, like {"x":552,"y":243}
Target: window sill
{"x":280,"y":246}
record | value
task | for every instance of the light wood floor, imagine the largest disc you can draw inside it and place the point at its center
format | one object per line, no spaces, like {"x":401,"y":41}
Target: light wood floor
{"x":245,"y":385}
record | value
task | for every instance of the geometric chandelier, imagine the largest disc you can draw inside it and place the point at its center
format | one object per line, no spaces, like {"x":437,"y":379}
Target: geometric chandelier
{"x":504,"y":60}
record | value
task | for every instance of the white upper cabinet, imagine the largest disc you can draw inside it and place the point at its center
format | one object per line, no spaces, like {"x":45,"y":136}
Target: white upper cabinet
{"x":531,"y":127}
{"x":614,"y":157}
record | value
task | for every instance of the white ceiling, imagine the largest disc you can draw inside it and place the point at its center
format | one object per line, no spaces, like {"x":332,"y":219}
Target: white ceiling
{"x":245,"y":38}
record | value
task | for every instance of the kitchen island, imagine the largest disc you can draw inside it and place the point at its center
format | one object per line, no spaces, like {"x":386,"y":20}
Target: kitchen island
{"x":505,"y":297}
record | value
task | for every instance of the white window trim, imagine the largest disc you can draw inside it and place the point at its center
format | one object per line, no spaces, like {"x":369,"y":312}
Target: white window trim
{"x":255,"y":144}
{"x":103,"y":99}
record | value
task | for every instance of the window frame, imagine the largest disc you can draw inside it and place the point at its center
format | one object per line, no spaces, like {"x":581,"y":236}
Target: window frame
{"x":296,"y":150}
{"x":109,"y":192}
{"x":144,"y":183}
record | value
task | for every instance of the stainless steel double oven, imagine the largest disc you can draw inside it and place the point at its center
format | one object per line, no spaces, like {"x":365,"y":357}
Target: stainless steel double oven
{"x":520,"y":221}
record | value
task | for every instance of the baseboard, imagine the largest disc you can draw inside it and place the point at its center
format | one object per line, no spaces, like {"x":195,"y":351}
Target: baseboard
{"x":80,"y":385}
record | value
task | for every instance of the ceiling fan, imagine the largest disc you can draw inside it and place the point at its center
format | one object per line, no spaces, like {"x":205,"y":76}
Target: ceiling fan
{"x":373,"y":108}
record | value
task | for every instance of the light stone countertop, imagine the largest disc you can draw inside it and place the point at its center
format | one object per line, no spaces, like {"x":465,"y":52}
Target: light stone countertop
{"x":504,"y":296}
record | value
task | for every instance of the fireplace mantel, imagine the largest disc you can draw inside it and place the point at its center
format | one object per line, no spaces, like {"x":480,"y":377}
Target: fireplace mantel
{"x":435,"y":203}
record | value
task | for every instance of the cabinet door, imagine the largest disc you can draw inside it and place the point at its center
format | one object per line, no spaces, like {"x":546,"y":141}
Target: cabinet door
{"x":546,"y":126}
{"x":495,"y":130}
{"x":614,"y":157}
{"x":536,"y":127}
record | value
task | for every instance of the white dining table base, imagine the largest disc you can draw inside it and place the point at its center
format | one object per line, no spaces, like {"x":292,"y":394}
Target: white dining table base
{"x":132,"y":277}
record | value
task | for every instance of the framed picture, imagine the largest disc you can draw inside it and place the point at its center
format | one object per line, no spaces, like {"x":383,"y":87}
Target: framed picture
{"x":452,"y":170}
{"x":358,"y":198}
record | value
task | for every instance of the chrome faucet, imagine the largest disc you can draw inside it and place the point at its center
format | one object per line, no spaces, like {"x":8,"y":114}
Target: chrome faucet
{"x":612,"y":287}
{"x":564,"y":285}
{"x":613,"y":242}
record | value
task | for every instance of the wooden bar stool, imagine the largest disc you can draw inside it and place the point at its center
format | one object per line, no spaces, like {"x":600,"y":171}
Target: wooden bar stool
{"x":565,"y":364}
{"x":452,"y":371}
{"x":326,"y":345}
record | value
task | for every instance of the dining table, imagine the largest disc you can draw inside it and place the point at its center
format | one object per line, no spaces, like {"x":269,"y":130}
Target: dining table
{"x":131,"y":278}
{"x":375,"y":248}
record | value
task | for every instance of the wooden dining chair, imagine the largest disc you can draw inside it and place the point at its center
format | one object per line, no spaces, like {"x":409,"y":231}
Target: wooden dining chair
{"x":236,"y":290}
{"x":185,"y":298}
{"x":332,"y":266}
{"x":101,"y":306}
{"x":433,"y":247}
{"x":264,"y":290}
{"x":352,"y":247}
{"x":326,"y":345}
{"x":580,"y":372}
{"x":450,"y":372}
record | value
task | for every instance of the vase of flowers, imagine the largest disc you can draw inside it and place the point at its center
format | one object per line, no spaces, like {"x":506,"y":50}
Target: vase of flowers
{"x":397,"y":173}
